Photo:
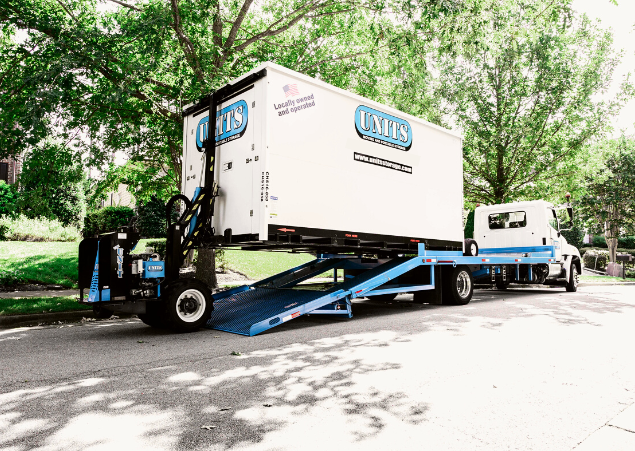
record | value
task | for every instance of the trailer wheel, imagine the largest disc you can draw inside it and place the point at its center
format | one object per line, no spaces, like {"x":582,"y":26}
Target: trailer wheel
{"x":188,"y":305}
{"x":458,"y":286}
{"x":155,"y":315}
{"x":572,"y":284}
{"x":500,"y":285}
{"x":100,"y":312}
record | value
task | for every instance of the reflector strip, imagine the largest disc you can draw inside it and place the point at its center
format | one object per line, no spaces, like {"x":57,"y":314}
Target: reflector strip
{"x":359,"y":291}
{"x":518,"y":260}
{"x":485,"y":259}
{"x":446,"y":261}
{"x":291,"y":316}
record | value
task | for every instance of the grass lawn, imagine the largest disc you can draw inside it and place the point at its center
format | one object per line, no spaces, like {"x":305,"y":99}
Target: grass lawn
{"x":56,"y":263}
{"x":259,"y":265}
{"x":45,"y":262}
{"x":22,"y":306}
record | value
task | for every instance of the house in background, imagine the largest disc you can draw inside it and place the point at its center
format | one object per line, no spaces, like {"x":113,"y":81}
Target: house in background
{"x":120,"y":198}
{"x":10,"y":169}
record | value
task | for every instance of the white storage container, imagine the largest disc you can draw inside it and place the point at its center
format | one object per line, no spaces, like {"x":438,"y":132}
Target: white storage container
{"x":299,"y":157}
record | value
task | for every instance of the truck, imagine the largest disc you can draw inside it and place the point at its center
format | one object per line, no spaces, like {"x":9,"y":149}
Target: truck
{"x":290,"y":163}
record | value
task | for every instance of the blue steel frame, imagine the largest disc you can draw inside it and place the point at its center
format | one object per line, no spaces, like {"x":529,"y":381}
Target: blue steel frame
{"x":334,"y":301}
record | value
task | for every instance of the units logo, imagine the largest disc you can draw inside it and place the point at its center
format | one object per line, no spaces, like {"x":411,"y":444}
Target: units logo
{"x":231,"y":123}
{"x":382,"y":128}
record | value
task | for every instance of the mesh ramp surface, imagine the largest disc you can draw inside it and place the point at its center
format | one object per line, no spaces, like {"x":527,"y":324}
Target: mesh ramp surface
{"x":237,"y":313}
{"x":240,"y":312}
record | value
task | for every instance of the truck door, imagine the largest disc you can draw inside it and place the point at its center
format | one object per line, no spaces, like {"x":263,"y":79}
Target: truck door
{"x":554,"y":232}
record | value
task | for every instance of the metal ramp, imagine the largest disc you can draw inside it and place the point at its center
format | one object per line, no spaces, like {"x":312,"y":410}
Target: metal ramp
{"x":249,"y":310}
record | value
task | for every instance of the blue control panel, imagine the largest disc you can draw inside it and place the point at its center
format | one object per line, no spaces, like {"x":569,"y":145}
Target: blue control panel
{"x":153,"y":270}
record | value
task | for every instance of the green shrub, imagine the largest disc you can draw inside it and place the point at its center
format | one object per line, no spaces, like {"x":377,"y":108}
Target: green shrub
{"x":151,"y":218}
{"x":599,"y":241}
{"x":105,"y":220}
{"x":468,"y":232}
{"x":626,"y":242}
{"x":22,"y":228}
{"x":8,"y":199}
{"x":596,"y":259}
{"x":52,"y":184}
{"x":575,"y":236}
{"x":158,"y":246}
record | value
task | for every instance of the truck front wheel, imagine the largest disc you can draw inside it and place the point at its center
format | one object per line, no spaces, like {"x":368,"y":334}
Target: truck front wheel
{"x":458,"y":286}
{"x":572,"y":284}
{"x":188,"y":305}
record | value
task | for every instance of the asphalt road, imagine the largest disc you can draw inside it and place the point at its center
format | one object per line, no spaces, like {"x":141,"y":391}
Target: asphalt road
{"x":527,"y":370}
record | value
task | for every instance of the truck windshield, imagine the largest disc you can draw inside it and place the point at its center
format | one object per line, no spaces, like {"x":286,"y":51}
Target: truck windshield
{"x":511,"y":220}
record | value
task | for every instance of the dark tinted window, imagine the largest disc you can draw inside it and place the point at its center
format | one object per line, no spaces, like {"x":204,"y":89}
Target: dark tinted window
{"x":511,"y":220}
{"x":4,"y":172}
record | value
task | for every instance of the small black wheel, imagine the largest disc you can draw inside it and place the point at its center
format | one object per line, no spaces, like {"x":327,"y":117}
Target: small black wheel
{"x":471,"y":248}
{"x":501,"y":285}
{"x":155,"y":315}
{"x":384,"y":297}
{"x":188,"y":305}
{"x":572,"y":284}
{"x":100,"y":312}
{"x":457,"y":286}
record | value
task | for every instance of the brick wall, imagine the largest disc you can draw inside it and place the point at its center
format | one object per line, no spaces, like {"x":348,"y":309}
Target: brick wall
{"x":14,"y":168}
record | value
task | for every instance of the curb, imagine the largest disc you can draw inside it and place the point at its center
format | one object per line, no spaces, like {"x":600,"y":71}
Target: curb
{"x":11,"y":321}
{"x":37,"y":319}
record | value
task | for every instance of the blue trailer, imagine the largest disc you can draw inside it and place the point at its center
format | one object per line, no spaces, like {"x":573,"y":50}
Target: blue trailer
{"x":371,"y":192}
{"x":436,"y":277}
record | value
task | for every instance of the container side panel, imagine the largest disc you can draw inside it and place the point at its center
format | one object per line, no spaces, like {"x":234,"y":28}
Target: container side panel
{"x":336,"y":163}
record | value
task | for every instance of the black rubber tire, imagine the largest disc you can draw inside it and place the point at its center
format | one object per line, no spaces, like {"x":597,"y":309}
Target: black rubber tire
{"x":500,"y":285}
{"x":471,"y":247}
{"x":177,"y":306}
{"x":155,"y":315}
{"x":457,"y":285}
{"x":100,"y":312}
{"x":572,"y":283}
{"x":384,"y":297}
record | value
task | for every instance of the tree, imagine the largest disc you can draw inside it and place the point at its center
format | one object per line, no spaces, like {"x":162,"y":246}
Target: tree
{"x":609,"y":205}
{"x":52,"y":184}
{"x":121,"y":76}
{"x":524,"y":95}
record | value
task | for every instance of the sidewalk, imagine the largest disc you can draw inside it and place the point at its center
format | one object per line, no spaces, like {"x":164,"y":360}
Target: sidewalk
{"x":616,"y":435}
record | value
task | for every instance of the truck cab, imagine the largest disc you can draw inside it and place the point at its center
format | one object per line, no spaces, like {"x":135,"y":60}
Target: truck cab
{"x":515,"y":227}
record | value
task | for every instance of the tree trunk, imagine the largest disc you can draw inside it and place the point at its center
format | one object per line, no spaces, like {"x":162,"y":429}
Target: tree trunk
{"x":206,"y":267}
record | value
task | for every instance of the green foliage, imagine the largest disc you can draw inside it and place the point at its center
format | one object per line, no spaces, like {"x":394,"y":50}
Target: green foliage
{"x":52,"y":184}
{"x":8,"y":199}
{"x":105,"y":220}
{"x":524,"y":95}
{"x":627,"y":242}
{"x":151,"y":218}
{"x":575,"y":236}
{"x":596,"y":259}
{"x":22,"y":228}
{"x":609,"y":204}
{"x":122,"y":74}
{"x":468,"y":231}
{"x":159,"y":247}
{"x":599,"y":241}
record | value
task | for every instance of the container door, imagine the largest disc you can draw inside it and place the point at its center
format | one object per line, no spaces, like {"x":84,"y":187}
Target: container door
{"x":234,"y":157}
{"x":193,"y":158}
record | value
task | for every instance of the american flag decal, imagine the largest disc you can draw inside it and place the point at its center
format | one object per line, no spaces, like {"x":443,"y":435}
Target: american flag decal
{"x":290,"y":90}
